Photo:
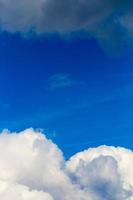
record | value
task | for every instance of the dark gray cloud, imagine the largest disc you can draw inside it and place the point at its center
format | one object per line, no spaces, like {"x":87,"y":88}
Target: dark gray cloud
{"x":100,"y":18}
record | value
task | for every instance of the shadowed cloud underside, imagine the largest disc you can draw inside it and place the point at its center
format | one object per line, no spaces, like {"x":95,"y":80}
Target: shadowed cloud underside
{"x":104,"y":20}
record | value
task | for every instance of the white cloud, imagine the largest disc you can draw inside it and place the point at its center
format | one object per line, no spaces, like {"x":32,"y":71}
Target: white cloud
{"x":33,"y":167}
{"x":101,"y":18}
{"x":15,"y":191}
{"x":105,"y":171}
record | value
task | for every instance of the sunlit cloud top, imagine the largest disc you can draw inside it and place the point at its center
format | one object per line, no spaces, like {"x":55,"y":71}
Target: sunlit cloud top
{"x":33,"y":167}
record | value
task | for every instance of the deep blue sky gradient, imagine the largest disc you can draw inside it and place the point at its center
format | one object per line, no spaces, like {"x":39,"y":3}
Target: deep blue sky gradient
{"x":78,"y":92}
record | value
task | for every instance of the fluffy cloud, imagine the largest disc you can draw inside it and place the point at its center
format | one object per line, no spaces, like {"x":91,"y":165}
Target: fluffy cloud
{"x":101,"y":18}
{"x":33,"y":167}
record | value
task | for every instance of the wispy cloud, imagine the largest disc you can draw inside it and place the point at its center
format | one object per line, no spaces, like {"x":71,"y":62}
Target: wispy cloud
{"x":60,"y":80}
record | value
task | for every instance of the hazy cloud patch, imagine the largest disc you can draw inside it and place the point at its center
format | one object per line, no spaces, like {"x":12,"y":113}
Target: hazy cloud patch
{"x":60,"y":80}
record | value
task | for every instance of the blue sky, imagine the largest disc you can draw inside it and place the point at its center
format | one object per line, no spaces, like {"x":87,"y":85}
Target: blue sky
{"x":68,"y":71}
{"x":75,"y":90}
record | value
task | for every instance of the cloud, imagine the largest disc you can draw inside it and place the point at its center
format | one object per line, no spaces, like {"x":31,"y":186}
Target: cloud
{"x":61,"y":80}
{"x":33,"y":167}
{"x":103,"y":171}
{"x":100,"y":18}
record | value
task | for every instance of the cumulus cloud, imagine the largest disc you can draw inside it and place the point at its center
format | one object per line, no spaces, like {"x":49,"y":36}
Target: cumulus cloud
{"x":101,"y":18}
{"x":33,"y":167}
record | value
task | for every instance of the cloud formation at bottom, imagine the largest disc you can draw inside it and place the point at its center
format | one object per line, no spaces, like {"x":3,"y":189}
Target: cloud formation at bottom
{"x":33,"y":168}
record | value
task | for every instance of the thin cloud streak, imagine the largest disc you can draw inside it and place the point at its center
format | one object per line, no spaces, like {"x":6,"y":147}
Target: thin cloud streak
{"x":60,"y":80}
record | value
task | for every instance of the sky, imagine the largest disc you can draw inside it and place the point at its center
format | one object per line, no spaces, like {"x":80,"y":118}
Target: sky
{"x":66,"y":68}
{"x":66,"y":100}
